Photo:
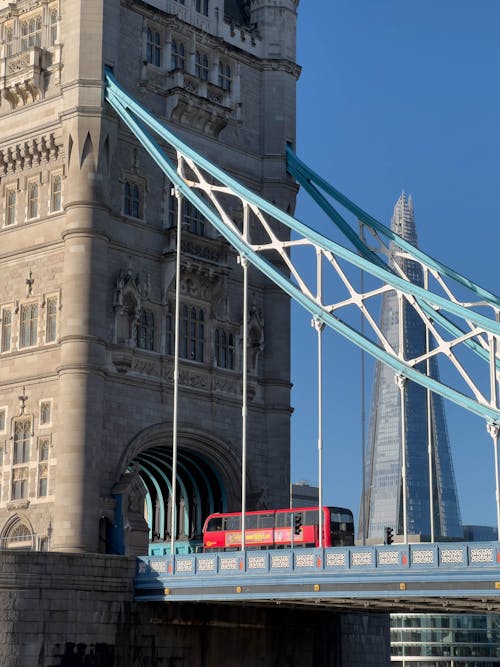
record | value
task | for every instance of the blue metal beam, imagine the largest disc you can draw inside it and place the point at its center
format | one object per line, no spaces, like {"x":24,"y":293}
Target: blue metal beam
{"x":135,"y":117}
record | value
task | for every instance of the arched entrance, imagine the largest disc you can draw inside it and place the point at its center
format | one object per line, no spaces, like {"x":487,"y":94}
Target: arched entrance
{"x":199,"y":493}
{"x":207,"y":481}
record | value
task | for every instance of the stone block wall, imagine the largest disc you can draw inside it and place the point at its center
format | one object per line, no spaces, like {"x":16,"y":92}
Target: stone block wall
{"x":62,"y":610}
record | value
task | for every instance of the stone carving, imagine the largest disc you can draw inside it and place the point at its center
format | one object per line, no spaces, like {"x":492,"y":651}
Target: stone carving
{"x":255,"y":336}
{"x":29,"y":153}
{"x":127,"y":307}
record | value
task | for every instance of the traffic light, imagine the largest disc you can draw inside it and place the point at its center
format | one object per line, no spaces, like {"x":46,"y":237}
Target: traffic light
{"x":388,"y":535}
{"x":298,"y":524}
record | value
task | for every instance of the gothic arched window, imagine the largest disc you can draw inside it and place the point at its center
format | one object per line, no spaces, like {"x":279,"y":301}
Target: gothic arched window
{"x":10,"y":207}
{"x":28,"y":325}
{"x":55,"y":192}
{"x":132,"y":199}
{"x":146,"y":331}
{"x":224,"y":349}
{"x":32,"y":200}
{"x":192,"y":333}
{"x":225,"y":76}
{"x":153,"y":47}
{"x":53,"y":26}
{"x":202,"y":66}
{"x":178,"y":55}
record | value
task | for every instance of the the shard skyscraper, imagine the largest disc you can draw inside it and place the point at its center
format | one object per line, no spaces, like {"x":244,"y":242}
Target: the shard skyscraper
{"x":383,"y":487}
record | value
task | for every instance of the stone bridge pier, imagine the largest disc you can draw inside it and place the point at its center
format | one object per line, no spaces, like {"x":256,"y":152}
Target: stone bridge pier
{"x":78,"y":610}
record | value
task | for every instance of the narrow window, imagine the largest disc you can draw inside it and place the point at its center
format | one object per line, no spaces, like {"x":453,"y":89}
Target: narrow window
{"x":37,"y":37}
{"x":153,"y":47}
{"x":193,"y":219}
{"x":193,"y":333}
{"x":45,"y":413}
{"x":178,"y":56}
{"x":25,"y":29}
{"x":22,"y":434}
{"x":19,"y":483}
{"x":202,"y":66}
{"x":55,"y":192}
{"x":3,"y":425}
{"x":29,"y":325}
{"x":43,"y":468}
{"x":6,"y":330}
{"x":202,"y":6}
{"x":32,"y":200}
{"x":53,"y":27}
{"x":225,"y":77}
{"x":10,"y":207}
{"x":170,"y":329}
{"x":9,"y":39}
{"x":132,"y":200}
{"x":224,"y":349}
{"x":146,"y":331}
{"x":51,"y":323}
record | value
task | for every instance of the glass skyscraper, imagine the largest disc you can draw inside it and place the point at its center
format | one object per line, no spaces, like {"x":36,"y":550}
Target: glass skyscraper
{"x":383,"y":464}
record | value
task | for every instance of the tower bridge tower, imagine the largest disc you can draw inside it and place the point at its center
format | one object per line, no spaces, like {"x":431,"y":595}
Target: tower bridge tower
{"x":87,"y":256}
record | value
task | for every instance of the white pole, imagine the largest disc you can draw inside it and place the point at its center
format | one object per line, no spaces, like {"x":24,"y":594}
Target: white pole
{"x":244,"y":263}
{"x":319,"y":329}
{"x":173,"y":522}
{"x":401,"y":381}
{"x":363,"y":430}
{"x":494,"y":427}
{"x":319,"y":326}
{"x":429,"y":420}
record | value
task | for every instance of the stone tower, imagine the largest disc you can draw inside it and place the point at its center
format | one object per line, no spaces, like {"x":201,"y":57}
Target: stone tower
{"x":87,"y":250}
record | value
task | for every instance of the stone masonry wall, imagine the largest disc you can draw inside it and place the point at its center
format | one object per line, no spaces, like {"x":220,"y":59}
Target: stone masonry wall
{"x":61,"y":610}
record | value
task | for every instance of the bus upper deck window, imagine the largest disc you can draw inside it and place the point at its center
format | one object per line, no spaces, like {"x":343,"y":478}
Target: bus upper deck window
{"x":215,"y":524}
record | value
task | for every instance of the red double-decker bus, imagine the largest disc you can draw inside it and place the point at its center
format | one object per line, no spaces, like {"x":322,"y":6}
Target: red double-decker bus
{"x":281,"y":528}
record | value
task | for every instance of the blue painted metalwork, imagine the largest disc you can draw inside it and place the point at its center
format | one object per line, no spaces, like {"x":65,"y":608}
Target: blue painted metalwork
{"x":308,"y":179}
{"x":311,"y":181}
{"x":158,"y":495}
{"x":185,"y":495}
{"x":136,"y":118}
{"x":396,"y":571}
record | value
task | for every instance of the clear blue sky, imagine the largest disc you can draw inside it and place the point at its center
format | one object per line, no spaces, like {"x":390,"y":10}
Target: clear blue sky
{"x":394,"y":95}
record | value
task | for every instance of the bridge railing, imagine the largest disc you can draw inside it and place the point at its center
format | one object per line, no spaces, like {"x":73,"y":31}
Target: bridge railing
{"x":341,"y":560}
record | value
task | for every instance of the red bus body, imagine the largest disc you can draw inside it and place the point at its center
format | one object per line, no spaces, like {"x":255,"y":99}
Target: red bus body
{"x":282,"y":528}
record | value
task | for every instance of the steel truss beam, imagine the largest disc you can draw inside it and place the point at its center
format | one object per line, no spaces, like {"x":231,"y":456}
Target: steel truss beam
{"x":454,"y":323}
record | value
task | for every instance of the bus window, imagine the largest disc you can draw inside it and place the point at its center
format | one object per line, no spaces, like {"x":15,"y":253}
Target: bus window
{"x":341,"y":517}
{"x":310,"y":518}
{"x":215,"y":524}
{"x":251,"y":521}
{"x":232,"y":523}
{"x":265,"y":520}
{"x":284,"y":519}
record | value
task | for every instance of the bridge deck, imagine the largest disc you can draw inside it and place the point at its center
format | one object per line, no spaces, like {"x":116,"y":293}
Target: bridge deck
{"x":420,"y":577}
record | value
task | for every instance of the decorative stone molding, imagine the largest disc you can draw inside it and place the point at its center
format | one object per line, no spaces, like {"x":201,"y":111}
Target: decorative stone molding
{"x":29,"y":153}
{"x":197,"y":104}
{"x":23,"y":75}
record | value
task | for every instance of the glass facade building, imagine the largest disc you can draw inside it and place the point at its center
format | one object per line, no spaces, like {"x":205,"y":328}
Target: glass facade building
{"x":383,"y":464}
{"x":445,"y":640}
